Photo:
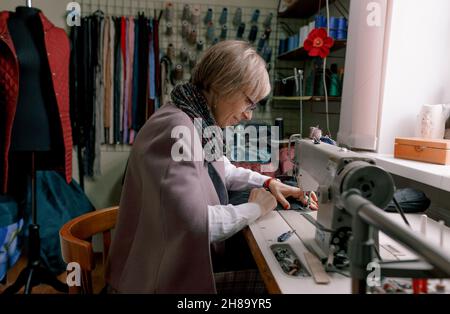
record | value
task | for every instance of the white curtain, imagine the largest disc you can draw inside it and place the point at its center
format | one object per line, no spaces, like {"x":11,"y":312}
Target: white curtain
{"x":363,"y":76}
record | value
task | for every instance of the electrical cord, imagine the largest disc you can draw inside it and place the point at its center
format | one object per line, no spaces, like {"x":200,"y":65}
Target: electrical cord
{"x":324,"y":74}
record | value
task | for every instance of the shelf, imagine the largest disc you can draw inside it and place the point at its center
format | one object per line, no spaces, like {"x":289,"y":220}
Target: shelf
{"x":437,"y":176}
{"x":307,"y":98}
{"x":301,"y":54}
{"x":301,"y":9}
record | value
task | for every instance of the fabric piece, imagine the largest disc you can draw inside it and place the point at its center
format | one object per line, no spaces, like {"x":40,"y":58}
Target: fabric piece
{"x":99,"y":98}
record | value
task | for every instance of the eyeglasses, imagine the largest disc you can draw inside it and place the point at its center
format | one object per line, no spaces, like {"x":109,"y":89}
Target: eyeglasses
{"x":251,"y":105}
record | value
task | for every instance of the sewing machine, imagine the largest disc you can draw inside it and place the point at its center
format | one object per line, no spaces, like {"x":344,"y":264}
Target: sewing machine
{"x":352,"y":190}
{"x":332,"y":170}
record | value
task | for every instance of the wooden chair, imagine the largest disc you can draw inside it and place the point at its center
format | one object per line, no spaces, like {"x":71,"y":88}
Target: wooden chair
{"x":76,"y":243}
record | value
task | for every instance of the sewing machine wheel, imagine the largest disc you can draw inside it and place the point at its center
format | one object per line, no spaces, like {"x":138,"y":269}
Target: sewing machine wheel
{"x":369,"y":179}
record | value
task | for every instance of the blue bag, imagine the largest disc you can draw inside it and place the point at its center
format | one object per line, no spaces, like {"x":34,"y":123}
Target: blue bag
{"x":10,"y":227}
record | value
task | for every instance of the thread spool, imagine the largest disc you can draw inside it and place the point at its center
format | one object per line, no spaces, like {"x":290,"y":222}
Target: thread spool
{"x":333,"y":34}
{"x":200,"y":45}
{"x":267,"y":53}
{"x":169,"y":29}
{"x":420,"y":285}
{"x":184,"y":29}
{"x":267,"y":32}
{"x":334,"y":81}
{"x":334,"y":22}
{"x":171,"y":52}
{"x":341,"y":35}
{"x":240,"y":31}
{"x":342,"y":23}
{"x":186,"y":12}
{"x":192,"y":39}
{"x":261,"y":42}
{"x":178,"y":72}
{"x":208,"y":16}
{"x":423,"y":225}
{"x":268,"y":20}
{"x":223,"y":16}
{"x":320,"y":21}
{"x":168,"y":12}
{"x":440,"y":287}
{"x":237,"y":19}
{"x":210,"y":31}
{"x":255,"y":16}
{"x":223,"y":32}
{"x":192,"y":60}
{"x":279,"y":122}
{"x":184,"y":54}
{"x":195,"y":16}
{"x":253,"y":33}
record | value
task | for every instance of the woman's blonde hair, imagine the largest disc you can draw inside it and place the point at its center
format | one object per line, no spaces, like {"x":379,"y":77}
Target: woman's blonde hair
{"x":231,"y":67}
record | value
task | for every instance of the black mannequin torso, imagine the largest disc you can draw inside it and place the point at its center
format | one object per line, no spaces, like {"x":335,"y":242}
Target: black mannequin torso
{"x":36,"y":105}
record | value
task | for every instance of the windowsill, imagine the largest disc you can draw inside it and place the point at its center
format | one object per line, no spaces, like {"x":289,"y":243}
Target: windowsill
{"x":437,"y":176}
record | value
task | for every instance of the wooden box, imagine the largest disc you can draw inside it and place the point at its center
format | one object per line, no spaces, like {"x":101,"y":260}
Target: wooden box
{"x":421,"y":149}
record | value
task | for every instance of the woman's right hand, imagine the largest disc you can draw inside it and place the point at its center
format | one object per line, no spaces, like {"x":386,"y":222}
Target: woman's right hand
{"x":266,"y":201}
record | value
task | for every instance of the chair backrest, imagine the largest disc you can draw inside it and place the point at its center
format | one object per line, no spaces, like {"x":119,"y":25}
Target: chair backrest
{"x":76,"y":242}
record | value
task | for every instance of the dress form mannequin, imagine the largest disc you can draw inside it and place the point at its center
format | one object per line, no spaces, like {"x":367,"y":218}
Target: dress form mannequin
{"x":34,"y":128}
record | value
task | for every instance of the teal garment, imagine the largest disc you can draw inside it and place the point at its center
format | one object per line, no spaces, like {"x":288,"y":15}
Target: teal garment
{"x":57,"y":203}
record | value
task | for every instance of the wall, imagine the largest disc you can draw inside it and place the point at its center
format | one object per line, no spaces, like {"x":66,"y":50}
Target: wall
{"x":417,"y":67}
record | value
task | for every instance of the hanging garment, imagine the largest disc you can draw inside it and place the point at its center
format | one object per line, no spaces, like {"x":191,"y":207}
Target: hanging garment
{"x":117,"y":79}
{"x":151,"y":72}
{"x":99,"y":95}
{"x":143,"y":71}
{"x":58,"y":52}
{"x":128,"y":79}
{"x":111,"y":54}
{"x":107,"y":80}
{"x":157,"y":63}
{"x":134,"y":101}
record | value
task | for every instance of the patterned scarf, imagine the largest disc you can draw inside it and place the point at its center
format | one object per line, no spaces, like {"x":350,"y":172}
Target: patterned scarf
{"x":191,"y":101}
{"x":188,"y":98}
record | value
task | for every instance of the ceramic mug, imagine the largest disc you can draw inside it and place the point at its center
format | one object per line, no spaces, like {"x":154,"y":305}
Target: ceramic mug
{"x":431,"y":121}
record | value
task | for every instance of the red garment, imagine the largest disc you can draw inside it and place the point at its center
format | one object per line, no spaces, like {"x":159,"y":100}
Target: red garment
{"x":58,"y":51}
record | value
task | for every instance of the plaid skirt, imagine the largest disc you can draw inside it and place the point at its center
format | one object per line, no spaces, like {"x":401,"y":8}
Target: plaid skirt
{"x":240,"y":282}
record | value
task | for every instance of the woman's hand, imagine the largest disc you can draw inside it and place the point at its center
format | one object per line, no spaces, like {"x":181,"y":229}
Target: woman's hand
{"x":281,"y":191}
{"x":264,"y":199}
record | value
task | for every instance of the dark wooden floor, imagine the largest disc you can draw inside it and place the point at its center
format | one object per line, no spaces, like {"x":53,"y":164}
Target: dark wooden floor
{"x":97,"y":278}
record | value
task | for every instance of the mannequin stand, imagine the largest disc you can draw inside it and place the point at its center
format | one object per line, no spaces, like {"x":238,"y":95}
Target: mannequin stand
{"x":35,"y":273}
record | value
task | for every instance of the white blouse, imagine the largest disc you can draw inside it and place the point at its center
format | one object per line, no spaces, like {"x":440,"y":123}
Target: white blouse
{"x":226,"y":220}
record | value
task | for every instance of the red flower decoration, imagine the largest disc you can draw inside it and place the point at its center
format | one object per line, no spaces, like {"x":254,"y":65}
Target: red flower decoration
{"x":318,"y":43}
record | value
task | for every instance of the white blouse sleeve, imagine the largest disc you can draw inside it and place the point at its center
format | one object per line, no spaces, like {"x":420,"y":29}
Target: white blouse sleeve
{"x":226,"y":220}
{"x":238,"y":179}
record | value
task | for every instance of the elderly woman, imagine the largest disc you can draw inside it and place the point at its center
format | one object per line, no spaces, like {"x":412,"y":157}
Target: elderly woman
{"x":174,"y":214}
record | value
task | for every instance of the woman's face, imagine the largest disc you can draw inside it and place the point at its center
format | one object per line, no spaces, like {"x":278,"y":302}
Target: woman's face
{"x":231,"y":111}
